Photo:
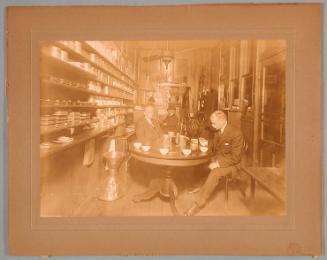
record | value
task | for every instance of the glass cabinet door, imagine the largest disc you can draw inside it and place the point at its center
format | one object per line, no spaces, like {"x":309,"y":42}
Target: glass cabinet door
{"x":248,"y":92}
{"x":273,"y":102}
{"x":272,"y":119}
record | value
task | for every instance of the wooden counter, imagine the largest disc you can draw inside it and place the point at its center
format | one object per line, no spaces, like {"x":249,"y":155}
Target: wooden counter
{"x":83,"y":137}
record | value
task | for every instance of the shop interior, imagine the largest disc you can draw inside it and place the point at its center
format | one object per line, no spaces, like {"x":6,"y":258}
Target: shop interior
{"x":92,"y":94}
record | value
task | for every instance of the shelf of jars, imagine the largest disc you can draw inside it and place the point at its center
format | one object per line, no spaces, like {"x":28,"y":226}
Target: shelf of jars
{"x":74,"y":49}
{"x":93,"y":56}
{"x":77,"y":106}
{"x":60,"y":59}
{"x":75,"y":69}
{"x":56,"y":127}
{"x":55,"y":62}
{"x":90,"y":87}
{"x":111,"y":57}
{"x":63,"y":122}
{"x":63,"y":119}
{"x":71,"y":119}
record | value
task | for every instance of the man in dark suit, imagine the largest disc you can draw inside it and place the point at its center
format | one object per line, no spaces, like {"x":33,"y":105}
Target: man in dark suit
{"x":228,"y":147}
{"x":147,"y":128}
{"x":170,"y":123}
{"x":148,"y":132}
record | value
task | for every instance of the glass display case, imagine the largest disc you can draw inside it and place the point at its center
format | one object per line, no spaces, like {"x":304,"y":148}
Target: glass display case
{"x":272,"y":116}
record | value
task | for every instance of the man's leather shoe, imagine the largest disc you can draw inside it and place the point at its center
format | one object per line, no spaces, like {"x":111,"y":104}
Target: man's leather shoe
{"x":194,"y":190}
{"x":148,"y":195}
{"x":193,"y":210}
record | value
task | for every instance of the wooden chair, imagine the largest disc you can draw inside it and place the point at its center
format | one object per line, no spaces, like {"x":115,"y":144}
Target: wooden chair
{"x":230,"y":178}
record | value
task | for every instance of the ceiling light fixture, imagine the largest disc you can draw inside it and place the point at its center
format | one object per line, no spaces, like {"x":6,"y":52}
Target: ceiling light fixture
{"x":167,"y":57}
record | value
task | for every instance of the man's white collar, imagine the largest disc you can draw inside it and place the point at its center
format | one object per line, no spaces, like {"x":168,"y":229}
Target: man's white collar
{"x":149,"y":120}
{"x":223,"y":128}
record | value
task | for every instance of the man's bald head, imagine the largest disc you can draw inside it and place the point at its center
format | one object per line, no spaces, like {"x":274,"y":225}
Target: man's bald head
{"x":218,"y":119}
{"x":149,"y":111}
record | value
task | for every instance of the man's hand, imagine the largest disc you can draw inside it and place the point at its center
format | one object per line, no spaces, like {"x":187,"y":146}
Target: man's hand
{"x":213,"y":165}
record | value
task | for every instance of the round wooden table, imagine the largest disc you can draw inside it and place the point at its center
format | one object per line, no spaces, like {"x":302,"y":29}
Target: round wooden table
{"x":175,"y":158}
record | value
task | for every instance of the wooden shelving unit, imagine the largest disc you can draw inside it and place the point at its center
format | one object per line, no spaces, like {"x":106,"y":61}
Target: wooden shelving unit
{"x":57,"y":64}
{"x":88,"y":46}
{"x":80,"y":57}
{"x":84,"y":106}
{"x":62,"y":65}
{"x":74,"y":72}
{"x":53,"y":129}
{"x":46,"y":83}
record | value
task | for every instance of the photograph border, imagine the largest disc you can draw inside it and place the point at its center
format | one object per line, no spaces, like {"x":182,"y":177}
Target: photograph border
{"x":23,"y":217}
{"x":166,"y":223}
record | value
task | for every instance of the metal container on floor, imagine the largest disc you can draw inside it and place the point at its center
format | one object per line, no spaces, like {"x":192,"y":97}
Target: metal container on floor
{"x":114,"y":183}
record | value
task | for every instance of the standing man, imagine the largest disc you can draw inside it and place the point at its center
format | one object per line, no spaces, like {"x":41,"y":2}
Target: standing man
{"x":228,"y":147}
{"x":208,"y":104}
{"x":208,"y":100}
{"x":170,"y":123}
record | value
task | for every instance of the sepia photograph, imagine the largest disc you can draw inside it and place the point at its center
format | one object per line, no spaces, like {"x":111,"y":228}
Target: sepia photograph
{"x":162,"y":128}
{"x":159,"y":130}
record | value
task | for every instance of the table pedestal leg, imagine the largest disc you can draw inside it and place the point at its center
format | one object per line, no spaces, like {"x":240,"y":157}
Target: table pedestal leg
{"x":169,"y":190}
{"x":167,"y":183}
{"x":173,"y":200}
{"x":252,"y":193}
{"x":166,"y":187}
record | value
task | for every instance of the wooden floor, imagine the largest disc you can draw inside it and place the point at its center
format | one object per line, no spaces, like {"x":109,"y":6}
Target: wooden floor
{"x":88,"y":205}
{"x":159,"y":206}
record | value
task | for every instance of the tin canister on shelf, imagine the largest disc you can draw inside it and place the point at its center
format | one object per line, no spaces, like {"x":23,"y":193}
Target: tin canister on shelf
{"x":194,"y":144}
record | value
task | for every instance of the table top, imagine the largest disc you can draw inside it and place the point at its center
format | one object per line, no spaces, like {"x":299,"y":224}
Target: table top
{"x":175,"y":157}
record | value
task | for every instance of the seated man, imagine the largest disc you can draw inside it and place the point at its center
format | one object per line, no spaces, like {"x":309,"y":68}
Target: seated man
{"x":170,"y":124}
{"x":147,"y":128}
{"x":228,"y":147}
{"x":148,"y":132}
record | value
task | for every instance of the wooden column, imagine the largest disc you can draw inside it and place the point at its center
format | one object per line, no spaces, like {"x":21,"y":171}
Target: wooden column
{"x":257,"y":104}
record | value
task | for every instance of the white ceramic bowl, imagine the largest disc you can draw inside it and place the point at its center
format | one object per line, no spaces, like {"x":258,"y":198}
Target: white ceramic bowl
{"x":164,"y":151}
{"x":137,"y":145}
{"x":146,"y":148}
{"x":186,"y":152}
{"x":203,"y":142}
{"x":194,"y":141}
{"x":203,"y":149}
